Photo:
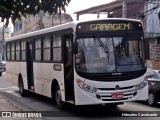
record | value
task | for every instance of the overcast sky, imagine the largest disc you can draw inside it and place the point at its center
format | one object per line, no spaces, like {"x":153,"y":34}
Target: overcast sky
{"x":76,"y":5}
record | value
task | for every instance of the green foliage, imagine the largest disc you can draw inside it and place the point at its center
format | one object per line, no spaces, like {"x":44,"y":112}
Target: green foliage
{"x":15,"y":9}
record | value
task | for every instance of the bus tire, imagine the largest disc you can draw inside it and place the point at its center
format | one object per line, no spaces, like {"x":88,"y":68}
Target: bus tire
{"x":0,"y":74}
{"x":152,"y":100}
{"x":22,"y":91}
{"x":58,"y":98}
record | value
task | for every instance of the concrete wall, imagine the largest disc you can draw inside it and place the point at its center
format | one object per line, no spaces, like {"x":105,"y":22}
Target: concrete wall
{"x":153,"y":22}
{"x":43,"y":20}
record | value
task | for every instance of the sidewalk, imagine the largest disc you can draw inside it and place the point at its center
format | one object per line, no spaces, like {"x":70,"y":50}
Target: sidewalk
{"x":6,"y":105}
{"x":9,"y":105}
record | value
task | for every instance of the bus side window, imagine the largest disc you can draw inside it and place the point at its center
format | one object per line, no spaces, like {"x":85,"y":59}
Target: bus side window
{"x":17,"y":50}
{"x":69,"y":52}
{"x":8,"y":52}
{"x":38,"y":49}
{"x":57,"y":50}
{"x":13,"y":51}
{"x":23,"y":50}
{"x":46,"y":48}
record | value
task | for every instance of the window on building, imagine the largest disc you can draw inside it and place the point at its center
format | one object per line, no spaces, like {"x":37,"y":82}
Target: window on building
{"x":18,"y":26}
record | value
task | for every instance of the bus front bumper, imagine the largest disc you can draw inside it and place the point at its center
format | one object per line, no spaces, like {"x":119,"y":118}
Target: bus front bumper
{"x":86,"y":98}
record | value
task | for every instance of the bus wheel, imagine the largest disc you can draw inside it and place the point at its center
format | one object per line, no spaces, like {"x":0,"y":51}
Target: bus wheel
{"x":0,"y":74}
{"x":22,"y":91}
{"x":58,"y":98}
{"x":152,"y":99}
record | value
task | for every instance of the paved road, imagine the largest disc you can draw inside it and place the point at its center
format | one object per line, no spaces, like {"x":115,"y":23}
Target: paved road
{"x":39,"y":103}
{"x":7,"y":105}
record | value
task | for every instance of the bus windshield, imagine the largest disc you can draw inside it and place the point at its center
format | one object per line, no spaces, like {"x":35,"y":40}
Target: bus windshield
{"x":110,"y":54}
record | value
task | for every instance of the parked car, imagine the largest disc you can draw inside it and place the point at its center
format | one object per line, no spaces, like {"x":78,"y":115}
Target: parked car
{"x":154,"y":86}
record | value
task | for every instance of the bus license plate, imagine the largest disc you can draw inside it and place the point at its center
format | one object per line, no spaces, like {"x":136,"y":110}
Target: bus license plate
{"x":117,"y":95}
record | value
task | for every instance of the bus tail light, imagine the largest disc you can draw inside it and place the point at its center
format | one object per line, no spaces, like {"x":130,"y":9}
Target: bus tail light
{"x":86,"y":87}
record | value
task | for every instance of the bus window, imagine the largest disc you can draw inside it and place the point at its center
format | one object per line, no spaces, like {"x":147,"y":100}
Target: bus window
{"x":95,"y":55}
{"x":46,"y":48}
{"x":128,"y":53}
{"x":13,"y":51}
{"x":17,"y":50}
{"x":57,"y":57}
{"x":23,"y":50}
{"x":38,"y":49}
{"x":8,"y":52}
{"x":109,"y":54}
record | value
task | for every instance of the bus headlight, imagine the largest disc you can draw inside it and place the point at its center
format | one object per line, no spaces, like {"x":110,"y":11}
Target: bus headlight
{"x":142,"y":84}
{"x":86,"y":87}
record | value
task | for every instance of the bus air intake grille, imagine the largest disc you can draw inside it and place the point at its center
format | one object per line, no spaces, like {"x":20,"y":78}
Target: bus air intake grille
{"x":122,"y":88}
{"x":105,"y":94}
{"x":114,"y":99}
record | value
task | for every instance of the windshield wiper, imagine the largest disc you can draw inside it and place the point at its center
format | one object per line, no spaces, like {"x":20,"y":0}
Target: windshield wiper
{"x":101,"y":44}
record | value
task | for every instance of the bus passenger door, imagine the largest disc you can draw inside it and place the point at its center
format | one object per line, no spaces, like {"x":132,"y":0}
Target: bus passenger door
{"x":68,"y":67}
{"x":29,"y":64}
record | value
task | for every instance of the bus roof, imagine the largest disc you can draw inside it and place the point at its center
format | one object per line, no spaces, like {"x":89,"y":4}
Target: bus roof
{"x":43,"y":31}
{"x":63,"y":27}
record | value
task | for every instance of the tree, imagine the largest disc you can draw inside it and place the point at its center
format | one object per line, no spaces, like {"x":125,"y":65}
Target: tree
{"x":15,"y":9}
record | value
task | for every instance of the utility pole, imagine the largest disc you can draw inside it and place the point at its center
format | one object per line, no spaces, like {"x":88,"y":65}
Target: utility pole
{"x":52,"y":19}
{"x":60,"y":18}
{"x":41,"y":25}
{"x":2,"y":43}
{"x":124,"y":9}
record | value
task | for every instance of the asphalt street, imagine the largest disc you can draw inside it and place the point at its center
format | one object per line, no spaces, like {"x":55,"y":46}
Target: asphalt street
{"x":10,"y":100}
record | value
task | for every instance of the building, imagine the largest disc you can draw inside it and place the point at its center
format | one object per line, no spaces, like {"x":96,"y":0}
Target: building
{"x":4,"y":34}
{"x":146,"y":10}
{"x":117,"y":8}
{"x":153,"y":32}
{"x":42,"y":20}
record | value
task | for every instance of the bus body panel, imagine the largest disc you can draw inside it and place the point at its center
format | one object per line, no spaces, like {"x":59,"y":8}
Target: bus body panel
{"x":45,"y":72}
{"x":13,"y":70}
{"x":43,"y":78}
{"x":23,"y":72}
{"x":83,"y":97}
{"x":11,"y":76}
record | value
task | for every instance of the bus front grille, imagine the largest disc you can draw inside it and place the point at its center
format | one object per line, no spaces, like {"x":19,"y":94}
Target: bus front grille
{"x":105,"y":94}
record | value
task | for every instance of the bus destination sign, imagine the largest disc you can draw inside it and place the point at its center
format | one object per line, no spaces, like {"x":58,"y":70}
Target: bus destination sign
{"x":102,"y":27}
{"x":109,"y":26}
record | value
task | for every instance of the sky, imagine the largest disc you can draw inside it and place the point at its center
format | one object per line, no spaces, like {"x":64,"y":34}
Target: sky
{"x":76,"y":5}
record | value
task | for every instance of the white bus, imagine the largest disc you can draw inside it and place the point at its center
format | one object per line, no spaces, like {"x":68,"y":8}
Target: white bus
{"x":83,"y":63}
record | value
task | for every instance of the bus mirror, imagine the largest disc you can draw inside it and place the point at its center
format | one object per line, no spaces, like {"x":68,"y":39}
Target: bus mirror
{"x":75,"y":48}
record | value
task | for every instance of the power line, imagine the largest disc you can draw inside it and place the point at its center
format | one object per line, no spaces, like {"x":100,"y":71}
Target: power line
{"x":118,"y":12}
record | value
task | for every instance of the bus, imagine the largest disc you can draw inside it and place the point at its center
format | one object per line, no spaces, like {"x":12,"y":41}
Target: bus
{"x":90,"y":62}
